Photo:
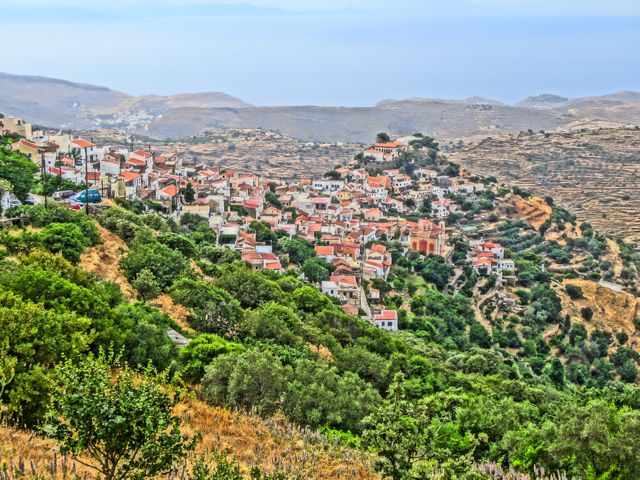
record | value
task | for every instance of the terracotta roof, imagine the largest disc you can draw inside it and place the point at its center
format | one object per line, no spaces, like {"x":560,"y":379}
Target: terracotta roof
{"x":386,"y":315}
{"x":24,"y":141}
{"x":129,"y":176}
{"x":82,"y":143}
{"x":389,"y":145}
{"x":346,"y":279}
{"x":137,"y":162}
{"x":142,"y":153}
{"x":170,"y":191}
{"x":324,"y":250}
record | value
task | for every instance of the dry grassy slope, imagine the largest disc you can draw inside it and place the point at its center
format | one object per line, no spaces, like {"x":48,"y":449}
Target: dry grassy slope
{"x":272,"y":444}
{"x":104,"y":260}
{"x":533,"y":210}
{"x":595,"y":173}
{"x":612,"y":311}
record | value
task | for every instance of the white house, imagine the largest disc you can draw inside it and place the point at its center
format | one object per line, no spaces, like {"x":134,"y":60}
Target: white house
{"x":86,"y":150}
{"x":424,"y":174}
{"x":326,"y":185}
{"x":386,"y":320}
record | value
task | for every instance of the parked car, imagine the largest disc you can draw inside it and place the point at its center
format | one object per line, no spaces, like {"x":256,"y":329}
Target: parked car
{"x":30,"y":200}
{"x":14,"y":202}
{"x":63,"y":194}
{"x":86,"y":196}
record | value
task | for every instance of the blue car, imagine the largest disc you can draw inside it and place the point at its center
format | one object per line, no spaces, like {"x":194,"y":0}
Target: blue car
{"x":86,"y":196}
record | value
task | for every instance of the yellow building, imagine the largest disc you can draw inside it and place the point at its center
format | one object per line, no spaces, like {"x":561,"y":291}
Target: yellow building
{"x":13,"y":125}
{"x":343,"y":195}
{"x":27,"y":148}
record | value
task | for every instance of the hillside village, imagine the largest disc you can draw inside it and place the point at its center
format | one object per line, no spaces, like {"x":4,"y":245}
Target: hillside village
{"x":363,"y":232}
{"x":343,"y":215}
{"x":395,"y":200}
{"x":394,"y":262}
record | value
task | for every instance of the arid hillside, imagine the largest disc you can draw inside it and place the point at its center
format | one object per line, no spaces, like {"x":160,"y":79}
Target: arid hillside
{"x":268,"y":153}
{"x":438,"y":118}
{"x":273,"y":444}
{"x":594,"y":172}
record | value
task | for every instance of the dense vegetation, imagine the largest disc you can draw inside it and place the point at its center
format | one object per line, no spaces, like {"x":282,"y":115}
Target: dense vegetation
{"x":434,"y":398}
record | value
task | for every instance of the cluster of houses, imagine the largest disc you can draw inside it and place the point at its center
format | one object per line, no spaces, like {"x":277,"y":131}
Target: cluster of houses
{"x":487,"y":258}
{"x":343,"y":216}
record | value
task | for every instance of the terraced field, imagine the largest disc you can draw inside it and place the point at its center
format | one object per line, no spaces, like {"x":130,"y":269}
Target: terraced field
{"x":595,"y":173}
{"x":270,"y":154}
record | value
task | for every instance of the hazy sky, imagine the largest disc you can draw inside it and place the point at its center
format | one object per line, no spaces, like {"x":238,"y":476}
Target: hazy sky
{"x":329,"y":52}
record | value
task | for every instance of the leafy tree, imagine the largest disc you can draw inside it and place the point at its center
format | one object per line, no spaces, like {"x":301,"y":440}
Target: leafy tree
{"x":18,"y":170}
{"x":556,"y":373}
{"x":188,"y":193}
{"x":272,"y":321}
{"x":586,"y":313}
{"x":368,"y":365}
{"x":180,"y":243}
{"x":165,"y":263}
{"x":219,"y":255}
{"x":5,"y":187}
{"x":32,"y":341}
{"x":63,"y":238}
{"x":252,"y":379}
{"x":629,"y":371}
{"x":317,"y":395}
{"x":434,"y":269}
{"x":597,"y":440}
{"x":201,"y":351}
{"x":272,"y":198}
{"x":316,"y":270}
{"x":140,"y":332}
{"x":332,"y":174}
{"x":309,"y":300}
{"x":299,"y":250}
{"x":122,"y":424}
{"x":400,"y":432}
{"x":250,"y":288}
{"x":193,"y":221}
{"x":146,"y":284}
{"x":53,"y":291}
{"x":479,"y":335}
{"x":263,"y":232}
{"x":574,"y":291}
{"x":382,"y":137}
{"x":213,"y":310}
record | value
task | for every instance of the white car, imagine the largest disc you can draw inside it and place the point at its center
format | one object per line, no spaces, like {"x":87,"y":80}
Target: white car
{"x":14,"y":202}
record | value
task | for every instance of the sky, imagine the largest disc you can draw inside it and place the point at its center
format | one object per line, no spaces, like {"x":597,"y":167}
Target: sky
{"x":329,"y":52}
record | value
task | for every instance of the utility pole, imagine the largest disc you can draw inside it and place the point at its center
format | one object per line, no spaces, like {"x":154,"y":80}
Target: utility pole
{"x":363,"y":253}
{"x":44,"y":178}
{"x":86,"y":181}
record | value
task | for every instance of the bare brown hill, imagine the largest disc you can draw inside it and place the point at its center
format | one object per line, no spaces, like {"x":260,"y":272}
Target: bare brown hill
{"x":441,"y":119}
{"x":59,"y":103}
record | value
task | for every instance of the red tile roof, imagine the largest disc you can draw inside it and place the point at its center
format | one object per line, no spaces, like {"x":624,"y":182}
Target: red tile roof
{"x":386,"y":315}
{"x":170,"y":191}
{"x":82,"y":143}
{"x":324,"y":250}
{"x":129,"y":176}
